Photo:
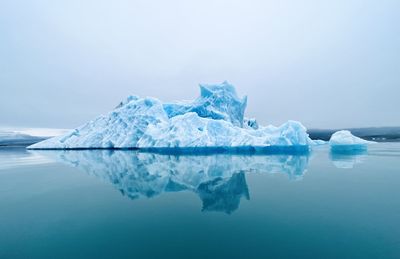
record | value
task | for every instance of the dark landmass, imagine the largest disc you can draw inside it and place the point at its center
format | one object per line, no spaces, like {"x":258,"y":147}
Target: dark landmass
{"x":378,"y":134}
{"x":12,"y":139}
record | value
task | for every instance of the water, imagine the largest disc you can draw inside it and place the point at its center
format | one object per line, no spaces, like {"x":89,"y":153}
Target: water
{"x":125,"y":204}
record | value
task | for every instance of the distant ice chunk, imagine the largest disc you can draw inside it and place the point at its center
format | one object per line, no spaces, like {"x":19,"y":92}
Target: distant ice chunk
{"x":344,"y":142}
{"x":344,"y":137}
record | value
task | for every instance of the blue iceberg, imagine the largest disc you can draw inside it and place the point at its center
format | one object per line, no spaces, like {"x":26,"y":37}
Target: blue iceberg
{"x":214,"y":120}
{"x":344,"y":142}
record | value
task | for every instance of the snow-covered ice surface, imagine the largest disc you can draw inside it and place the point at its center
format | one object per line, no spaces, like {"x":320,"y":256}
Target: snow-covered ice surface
{"x":214,"y":119}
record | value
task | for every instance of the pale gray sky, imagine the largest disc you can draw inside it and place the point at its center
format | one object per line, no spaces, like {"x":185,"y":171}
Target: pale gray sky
{"x":324,"y":63}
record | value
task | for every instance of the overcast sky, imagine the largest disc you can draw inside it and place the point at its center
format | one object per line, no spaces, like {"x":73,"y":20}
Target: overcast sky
{"x":328,"y":64}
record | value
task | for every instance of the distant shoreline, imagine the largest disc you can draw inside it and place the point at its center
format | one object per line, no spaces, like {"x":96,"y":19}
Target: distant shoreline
{"x":378,"y":134}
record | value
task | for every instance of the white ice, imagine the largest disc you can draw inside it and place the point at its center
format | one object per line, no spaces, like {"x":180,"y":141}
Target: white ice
{"x":214,"y":119}
{"x":344,"y":137}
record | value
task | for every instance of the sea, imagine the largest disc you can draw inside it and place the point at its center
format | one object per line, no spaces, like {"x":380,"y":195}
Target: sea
{"x":133,"y":204}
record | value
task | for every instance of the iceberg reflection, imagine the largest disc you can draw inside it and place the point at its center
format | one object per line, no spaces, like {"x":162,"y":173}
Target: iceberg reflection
{"x":348,"y":158}
{"x":219,"y":179}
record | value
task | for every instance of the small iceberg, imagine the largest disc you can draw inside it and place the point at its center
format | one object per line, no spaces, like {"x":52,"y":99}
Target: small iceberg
{"x":344,"y":142}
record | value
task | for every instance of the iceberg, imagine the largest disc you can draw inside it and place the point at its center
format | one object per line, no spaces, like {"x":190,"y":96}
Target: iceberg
{"x":344,"y":142}
{"x":214,"y":120}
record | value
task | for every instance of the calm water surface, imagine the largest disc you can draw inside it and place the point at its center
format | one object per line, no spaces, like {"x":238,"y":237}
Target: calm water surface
{"x":125,"y":204}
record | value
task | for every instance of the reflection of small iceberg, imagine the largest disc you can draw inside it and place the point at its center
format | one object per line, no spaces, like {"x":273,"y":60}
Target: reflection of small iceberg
{"x":347,"y":158}
{"x":218,"y":179}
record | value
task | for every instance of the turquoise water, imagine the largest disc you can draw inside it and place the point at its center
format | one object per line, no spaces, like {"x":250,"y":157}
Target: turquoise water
{"x":125,"y":204}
